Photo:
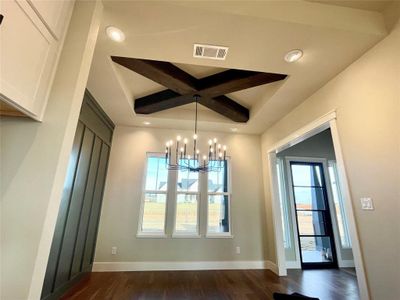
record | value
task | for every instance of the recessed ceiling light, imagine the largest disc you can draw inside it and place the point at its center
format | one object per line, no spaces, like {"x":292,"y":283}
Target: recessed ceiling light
{"x":234,"y":129}
{"x":115,"y":34}
{"x":146,"y":123}
{"x":293,"y":55}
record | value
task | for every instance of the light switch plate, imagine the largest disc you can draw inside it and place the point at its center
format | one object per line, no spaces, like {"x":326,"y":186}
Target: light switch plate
{"x":366,"y":203}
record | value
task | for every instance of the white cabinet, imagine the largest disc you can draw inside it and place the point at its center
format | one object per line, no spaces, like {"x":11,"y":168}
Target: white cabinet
{"x":31,"y":36}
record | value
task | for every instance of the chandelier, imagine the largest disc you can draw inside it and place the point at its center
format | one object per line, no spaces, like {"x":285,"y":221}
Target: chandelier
{"x":186,"y":158}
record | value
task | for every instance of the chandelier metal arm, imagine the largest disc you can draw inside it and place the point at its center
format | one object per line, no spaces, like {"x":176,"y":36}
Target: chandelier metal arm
{"x":209,"y":163}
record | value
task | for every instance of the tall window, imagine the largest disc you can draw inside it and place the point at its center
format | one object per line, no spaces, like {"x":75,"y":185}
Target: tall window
{"x":283,"y":203}
{"x":339,"y":205}
{"x":218,"y":212}
{"x":176,"y":211}
{"x":187,"y":203}
{"x":155,"y":196}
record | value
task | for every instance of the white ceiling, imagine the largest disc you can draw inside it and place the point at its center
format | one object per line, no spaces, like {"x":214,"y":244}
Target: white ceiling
{"x":258,"y":34}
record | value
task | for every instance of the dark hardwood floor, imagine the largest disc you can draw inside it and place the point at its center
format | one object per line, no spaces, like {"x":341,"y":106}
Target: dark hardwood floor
{"x":232,"y":284}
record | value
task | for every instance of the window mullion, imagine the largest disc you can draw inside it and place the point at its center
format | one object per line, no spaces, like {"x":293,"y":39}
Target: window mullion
{"x":171,"y":202}
{"x":203,"y":189}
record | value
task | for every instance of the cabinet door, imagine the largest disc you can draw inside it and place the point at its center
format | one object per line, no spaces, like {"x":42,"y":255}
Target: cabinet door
{"x":28,"y":56}
{"x":53,"y":13}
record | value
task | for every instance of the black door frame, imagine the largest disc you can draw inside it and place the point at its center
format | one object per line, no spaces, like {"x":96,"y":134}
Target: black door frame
{"x":327,"y":217}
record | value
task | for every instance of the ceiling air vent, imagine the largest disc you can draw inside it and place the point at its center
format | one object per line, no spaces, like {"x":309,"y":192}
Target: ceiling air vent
{"x":210,"y":52}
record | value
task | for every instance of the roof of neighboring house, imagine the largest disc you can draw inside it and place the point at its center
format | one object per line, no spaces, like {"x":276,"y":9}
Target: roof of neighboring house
{"x":185,"y":184}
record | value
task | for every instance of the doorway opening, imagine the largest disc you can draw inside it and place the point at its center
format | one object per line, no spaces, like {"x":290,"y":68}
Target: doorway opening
{"x":312,"y":211}
{"x":312,"y":215}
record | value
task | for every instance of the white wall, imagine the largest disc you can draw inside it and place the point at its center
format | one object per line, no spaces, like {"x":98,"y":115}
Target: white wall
{"x":123,"y":192}
{"x":34,"y":158}
{"x":366,"y":97}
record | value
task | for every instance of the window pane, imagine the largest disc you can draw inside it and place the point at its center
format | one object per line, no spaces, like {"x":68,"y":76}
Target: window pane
{"x":218,"y":180}
{"x":157,"y":174}
{"x":283,"y":204}
{"x":186,"y":213}
{"x":218,"y":213}
{"x":309,"y":198}
{"x":306,"y":175}
{"x":339,"y":206}
{"x":311,"y":223}
{"x":188,"y":181}
{"x":316,"y":249}
{"x":154,"y":212}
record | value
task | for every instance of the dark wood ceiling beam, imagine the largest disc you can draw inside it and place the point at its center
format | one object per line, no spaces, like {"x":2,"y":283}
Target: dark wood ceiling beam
{"x":234,"y":80}
{"x":227,"y":107}
{"x":161,"y":72}
{"x":160,"y":101}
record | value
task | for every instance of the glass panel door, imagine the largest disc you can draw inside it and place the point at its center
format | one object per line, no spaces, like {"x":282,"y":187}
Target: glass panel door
{"x":317,"y":249}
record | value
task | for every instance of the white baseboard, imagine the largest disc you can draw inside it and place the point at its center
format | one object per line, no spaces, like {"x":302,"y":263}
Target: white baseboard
{"x":269,"y":265}
{"x":175,"y":266}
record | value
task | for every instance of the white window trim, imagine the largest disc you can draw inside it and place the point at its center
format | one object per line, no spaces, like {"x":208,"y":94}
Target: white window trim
{"x":185,"y":236}
{"x":151,"y":234}
{"x":228,"y":234}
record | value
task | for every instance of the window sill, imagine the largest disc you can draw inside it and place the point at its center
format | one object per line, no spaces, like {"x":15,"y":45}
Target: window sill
{"x":185,"y":236}
{"x":219,"y":236}
{"x":151,"y":236}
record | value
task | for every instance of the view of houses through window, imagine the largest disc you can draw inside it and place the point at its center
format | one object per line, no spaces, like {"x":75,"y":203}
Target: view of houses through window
{"x":155,"y":196}
{"x":186,"y":199}
{"x":218,"y":201}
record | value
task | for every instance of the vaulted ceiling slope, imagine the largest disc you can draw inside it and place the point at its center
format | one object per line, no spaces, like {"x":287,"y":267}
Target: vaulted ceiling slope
{"x":258,"y":34}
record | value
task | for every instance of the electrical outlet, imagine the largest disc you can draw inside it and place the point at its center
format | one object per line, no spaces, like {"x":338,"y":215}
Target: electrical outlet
{"x":114,"y":250}
{"x":237,"y":250}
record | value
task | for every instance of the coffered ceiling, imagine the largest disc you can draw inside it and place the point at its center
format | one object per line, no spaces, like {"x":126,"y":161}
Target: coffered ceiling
{"x":258,"y":34}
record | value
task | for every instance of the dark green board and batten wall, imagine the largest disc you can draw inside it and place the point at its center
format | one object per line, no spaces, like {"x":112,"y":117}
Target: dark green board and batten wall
{"x":73,"y":246}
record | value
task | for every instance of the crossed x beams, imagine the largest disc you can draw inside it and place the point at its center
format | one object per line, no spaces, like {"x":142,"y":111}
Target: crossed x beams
{"x":182,"y":87}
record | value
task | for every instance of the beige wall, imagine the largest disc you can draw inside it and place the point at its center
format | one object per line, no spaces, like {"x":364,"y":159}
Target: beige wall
{"x":34,"y":158}
{"x":123,"y":192}
{"x":366,"y":97}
